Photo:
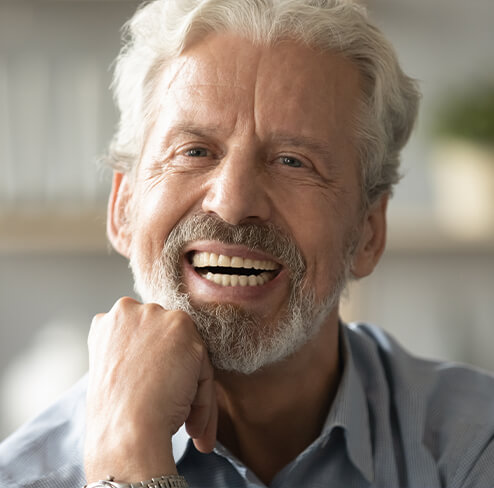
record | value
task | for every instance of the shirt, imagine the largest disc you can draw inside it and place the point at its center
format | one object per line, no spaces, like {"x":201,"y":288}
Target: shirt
{"x":396,"y":421}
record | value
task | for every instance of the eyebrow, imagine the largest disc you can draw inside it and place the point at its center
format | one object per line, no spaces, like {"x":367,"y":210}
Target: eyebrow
{"x":186,"y":129}
{"x":314,"y":145}
{"x":193,"y":130}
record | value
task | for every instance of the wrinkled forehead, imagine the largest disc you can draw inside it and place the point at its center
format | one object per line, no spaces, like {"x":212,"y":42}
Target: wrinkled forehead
{"x":226,"y":80}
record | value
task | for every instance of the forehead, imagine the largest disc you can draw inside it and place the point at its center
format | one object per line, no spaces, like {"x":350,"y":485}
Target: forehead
{"x":226,"y":81}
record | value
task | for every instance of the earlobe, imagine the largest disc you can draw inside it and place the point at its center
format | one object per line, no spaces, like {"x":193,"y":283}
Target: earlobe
{"x":372,"y":239}
{"x":118,"y":218}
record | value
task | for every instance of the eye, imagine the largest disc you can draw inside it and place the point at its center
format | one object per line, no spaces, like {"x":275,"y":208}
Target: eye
{"x":291,"y":161}
{"x":197,"y":152}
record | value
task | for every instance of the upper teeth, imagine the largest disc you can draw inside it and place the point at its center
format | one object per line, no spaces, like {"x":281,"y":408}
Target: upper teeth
{"x":204,"y":259}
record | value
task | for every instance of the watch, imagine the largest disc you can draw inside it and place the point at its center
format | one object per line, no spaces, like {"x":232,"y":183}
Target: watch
{"x":172,"y":481}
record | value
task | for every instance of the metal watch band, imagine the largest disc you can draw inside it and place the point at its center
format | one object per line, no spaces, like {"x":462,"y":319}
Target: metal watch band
{"x":172,"y":481}
{"x":162,"y":482}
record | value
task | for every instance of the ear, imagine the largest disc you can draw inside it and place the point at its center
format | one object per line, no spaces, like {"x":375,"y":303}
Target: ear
{"x":372,"y":238}
{"x":118,"y":218}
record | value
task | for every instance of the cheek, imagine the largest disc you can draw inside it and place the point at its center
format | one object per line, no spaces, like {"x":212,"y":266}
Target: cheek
{"x":321,"y":234}
{"x":326,"y":268}
{"x":322,"y":254}
{"x":161,"y":207}
{"x":314,"y":234}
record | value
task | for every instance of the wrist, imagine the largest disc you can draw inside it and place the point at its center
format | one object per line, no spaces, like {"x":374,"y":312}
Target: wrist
{"x":127,"y":460}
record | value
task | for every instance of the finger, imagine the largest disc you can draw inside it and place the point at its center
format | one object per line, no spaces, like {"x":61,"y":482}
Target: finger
{"x":204,"y":400}
{"x":207,"y":441}
{"x":94,"y":324}
{"x":124,"y":306}
{"x":200,"y":411}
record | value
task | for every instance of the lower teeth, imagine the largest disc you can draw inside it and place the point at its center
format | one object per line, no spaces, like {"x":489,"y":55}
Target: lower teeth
{"x":237,"y":280}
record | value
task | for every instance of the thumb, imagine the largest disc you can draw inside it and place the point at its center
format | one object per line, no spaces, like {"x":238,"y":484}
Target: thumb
{"x":206,"y":442}
{"x":201,"y":424}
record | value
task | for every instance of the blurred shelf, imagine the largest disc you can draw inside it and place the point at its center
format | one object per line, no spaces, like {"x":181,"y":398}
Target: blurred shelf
{"x":74,"y":231}
{"x":415,"y":231}
{"x":53,"y":231}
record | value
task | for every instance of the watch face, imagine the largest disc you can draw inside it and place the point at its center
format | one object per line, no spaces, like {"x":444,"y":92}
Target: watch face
{"x":104,"y":484}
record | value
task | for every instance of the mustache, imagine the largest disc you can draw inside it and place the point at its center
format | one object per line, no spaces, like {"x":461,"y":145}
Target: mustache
{"x":265,"y":237}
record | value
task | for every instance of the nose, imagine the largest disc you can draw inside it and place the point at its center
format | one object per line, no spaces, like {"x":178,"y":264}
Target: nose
{"x":237,"y":190}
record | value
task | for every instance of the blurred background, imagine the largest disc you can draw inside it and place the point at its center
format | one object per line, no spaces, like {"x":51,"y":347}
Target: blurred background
{"x":434,"y":289}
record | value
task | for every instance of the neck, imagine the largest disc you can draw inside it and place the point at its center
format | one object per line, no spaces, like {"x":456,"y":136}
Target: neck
{"x":271,"y":416}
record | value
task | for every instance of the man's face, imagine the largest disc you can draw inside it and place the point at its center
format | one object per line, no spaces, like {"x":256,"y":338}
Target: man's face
{"x":250,"y":137}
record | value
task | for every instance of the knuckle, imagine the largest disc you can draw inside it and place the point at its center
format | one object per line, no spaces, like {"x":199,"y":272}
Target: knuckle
{"x":180,"y":326}
{"x":123,"y":308}
{"x":95,"y":325}
{"x":150,"y":316}
{"x":125,"y":303}
{"x":97,"y":318}
{"x":185,"y":335}
{"x":152,"y":308}
{"x":180,"y":319}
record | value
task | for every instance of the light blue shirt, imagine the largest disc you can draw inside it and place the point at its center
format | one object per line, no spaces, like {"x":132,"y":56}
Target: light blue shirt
{"x":396,"y":421}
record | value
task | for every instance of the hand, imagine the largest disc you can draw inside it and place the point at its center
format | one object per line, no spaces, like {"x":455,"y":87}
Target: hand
{"x":149,"y":372}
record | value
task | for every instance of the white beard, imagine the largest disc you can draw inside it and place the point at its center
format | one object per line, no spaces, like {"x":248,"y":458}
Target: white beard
{"x":237,"y":340}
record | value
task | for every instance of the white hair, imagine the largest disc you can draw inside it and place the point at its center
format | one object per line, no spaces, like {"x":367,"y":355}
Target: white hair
{"x":162,"y":29}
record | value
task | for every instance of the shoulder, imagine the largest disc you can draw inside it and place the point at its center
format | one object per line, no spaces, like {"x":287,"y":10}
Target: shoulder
{"x":445,"y":408}
{"x":47,"y":451}
{"x":439,"y":382}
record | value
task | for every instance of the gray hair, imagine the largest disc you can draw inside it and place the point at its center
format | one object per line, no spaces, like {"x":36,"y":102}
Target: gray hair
{"x":162,"y":29}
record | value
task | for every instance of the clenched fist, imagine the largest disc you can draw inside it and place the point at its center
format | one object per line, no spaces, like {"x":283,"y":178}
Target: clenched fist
{"x":149,"y":373}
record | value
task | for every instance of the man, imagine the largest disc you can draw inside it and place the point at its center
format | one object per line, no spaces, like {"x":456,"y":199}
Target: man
{"x":257,"y":149}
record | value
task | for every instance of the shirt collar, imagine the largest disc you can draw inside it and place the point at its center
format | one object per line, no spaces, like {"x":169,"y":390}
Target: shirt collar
{"x":349,"y":411}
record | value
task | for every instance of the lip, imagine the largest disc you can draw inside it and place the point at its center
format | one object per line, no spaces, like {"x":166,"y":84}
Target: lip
{"x":206,"y":291}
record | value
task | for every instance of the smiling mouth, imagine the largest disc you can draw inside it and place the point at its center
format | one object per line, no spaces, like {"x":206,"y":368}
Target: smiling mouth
{"x":233,"y":270}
